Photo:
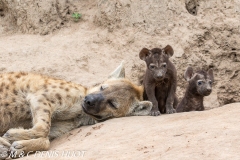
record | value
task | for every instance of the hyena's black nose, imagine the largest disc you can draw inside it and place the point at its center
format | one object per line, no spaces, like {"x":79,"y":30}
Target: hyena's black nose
{"x":89,"y":100}
{"x":159,"y":76}
{"x":209,"y":89}
{"x":93,"y":100}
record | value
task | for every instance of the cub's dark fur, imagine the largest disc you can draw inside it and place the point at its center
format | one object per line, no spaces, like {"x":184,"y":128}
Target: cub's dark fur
{"x":199,"y":85}
{"x":160,"y":80}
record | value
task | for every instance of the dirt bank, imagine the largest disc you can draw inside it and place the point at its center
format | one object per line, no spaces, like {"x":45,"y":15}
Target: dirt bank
{"x":203,"y":34}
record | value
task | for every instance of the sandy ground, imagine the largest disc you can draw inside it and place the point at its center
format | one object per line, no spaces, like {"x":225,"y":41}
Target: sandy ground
{"x":212,"y":134}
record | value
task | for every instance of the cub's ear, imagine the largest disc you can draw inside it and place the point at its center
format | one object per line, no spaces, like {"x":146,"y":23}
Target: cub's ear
{"x":188,"y":73}
{"x":168,"y":50}
{"x":210,"y":74}
{"x":144,"y":53}
{"x":143,"y":108}
{"x":119,"y":72}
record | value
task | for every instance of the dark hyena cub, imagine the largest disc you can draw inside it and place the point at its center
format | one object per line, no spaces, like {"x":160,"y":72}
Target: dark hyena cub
{"x":199,"y":85}
{"x":160,"y":80}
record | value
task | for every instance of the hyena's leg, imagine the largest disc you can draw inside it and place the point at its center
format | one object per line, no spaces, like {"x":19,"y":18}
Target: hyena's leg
{"x":59,"y":128}
{"x":25,"y":147}
{"x":175,"y":103}
{"x":4,"y":148}
{"x":41,"y":119}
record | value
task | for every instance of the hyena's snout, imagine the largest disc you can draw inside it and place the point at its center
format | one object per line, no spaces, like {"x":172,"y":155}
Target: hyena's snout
{"x":92,"y":102}
{"x":208,"y":91}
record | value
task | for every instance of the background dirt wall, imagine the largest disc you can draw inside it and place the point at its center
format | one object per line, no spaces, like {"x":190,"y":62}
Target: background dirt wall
{"x":204,"y":34}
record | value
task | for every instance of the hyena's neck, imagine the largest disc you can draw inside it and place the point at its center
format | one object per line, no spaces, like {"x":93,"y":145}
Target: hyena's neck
{"x":193,"y":100}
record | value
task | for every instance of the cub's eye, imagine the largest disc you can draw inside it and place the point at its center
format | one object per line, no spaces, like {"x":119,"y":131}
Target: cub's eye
{"x":101,"y":88}
{"x":210,"y":82}
{"x":112,"y":104}
{"x":151,"y":66}
{"x":200,"y":83}
{"x":164,"y":65}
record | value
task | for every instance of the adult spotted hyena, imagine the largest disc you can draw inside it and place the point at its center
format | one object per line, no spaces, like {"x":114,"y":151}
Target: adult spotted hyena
{"x":35,"y":108}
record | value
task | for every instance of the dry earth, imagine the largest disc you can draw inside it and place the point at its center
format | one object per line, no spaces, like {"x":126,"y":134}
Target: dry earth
{"x":212,"y":134}
{"x":40,"y":36}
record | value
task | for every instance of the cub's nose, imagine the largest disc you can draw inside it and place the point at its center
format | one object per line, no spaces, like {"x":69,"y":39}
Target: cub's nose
{"x":159,"y":76}
{"x":209,"y":89}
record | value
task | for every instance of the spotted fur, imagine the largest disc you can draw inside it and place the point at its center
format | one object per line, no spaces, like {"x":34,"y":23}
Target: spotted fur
{"x":35,"y":108}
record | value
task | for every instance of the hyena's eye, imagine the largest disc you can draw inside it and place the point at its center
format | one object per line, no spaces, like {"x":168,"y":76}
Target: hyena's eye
{"x":151,"y":66}
{"x":112,"y":104}
{"x":200,"y":83}
{"x":210,"y":82}
{"x":164,"y":65}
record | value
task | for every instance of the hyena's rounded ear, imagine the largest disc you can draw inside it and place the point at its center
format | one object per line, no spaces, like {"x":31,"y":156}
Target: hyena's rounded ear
{"x":210,"y":74}
{"x":143,"y":108}
{"x":119,"y":72}
{"x":188,"y":73}
{"x":168,"y":50}
{"x":144,"y":53}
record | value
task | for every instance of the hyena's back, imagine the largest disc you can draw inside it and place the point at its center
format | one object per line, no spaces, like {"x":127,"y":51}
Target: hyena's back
{"x":19,"y":92}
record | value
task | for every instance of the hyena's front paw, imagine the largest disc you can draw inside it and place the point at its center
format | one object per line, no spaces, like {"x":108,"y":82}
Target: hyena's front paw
{"x":155,"y":112}
{"x":10,"y":135}
{"x":14,"y":135}
{"x":170,"y":110}
{"x":4,"y":152}
{"x":4,"y":149}
{"x":17,"y":150}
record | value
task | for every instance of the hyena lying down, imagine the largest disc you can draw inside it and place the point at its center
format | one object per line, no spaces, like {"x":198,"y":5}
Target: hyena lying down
{"x":46,"y":108}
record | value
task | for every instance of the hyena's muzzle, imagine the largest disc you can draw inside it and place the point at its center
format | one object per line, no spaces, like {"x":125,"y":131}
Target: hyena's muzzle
{"x":91,"y":105}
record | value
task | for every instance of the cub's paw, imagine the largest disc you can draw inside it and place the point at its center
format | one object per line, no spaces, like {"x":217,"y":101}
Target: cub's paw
{"x":4,"y":152}
{"x":170,"y":110}
{"x":155,"y":112}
